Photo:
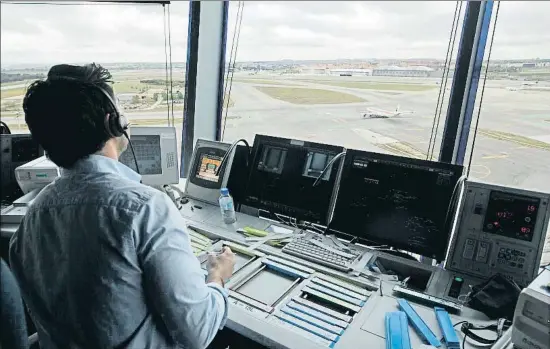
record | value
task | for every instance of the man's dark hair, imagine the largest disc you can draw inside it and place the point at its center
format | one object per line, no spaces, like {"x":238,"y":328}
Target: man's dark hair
{"x":66,"y":112}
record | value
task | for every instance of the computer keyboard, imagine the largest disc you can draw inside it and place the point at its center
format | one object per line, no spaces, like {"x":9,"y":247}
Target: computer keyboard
{"x":313,"y":249}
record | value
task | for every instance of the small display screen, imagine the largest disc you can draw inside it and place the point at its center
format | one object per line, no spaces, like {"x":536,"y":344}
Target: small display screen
{"x":208,"y":166}
{"x":148,"y":154}
{"x":511,"y":215}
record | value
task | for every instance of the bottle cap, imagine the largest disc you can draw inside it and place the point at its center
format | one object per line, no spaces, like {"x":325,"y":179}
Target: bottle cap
{"x":224,"y":191}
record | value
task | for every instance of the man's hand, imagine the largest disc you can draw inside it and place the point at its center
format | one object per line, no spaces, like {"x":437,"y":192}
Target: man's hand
{"x":220,"y":267}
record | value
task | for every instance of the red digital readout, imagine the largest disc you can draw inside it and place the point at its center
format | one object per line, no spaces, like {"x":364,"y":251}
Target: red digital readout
{"x":531,"y":208}
{"x":525,"y":230}
{"x":505,"y":214}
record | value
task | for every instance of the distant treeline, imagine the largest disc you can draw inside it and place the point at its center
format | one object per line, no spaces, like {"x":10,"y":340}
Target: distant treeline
{"x":160,"y":82}
{"x":5,"y":77}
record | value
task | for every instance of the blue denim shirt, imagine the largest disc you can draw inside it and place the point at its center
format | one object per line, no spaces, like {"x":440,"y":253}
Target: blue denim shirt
{"x":105,"y":262}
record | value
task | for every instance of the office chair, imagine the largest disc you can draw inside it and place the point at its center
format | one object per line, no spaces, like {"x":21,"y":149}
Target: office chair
{"x":12,"y":313}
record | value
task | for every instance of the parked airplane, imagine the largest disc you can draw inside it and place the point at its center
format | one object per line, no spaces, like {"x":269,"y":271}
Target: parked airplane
{"x":384,"y":114}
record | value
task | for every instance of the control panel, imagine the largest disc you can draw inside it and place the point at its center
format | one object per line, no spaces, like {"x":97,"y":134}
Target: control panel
{"x":499,"y":230}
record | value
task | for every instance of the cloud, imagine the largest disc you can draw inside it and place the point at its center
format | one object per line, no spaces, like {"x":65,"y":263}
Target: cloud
{"x":270,"y":31}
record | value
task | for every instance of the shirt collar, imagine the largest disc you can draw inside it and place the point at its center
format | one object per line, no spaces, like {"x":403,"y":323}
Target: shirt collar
{"x":103,"y":164}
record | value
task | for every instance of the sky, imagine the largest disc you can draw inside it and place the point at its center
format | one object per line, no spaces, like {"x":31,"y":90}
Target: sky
{"x":106,"y":33}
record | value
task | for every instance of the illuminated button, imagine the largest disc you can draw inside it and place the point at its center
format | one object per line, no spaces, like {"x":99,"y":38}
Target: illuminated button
{"x":482,"y":252}
{"x":469,"y":248}
{"x":458,"y":279}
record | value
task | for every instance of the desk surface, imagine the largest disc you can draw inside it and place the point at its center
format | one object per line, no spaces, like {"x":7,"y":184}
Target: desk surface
{"x":367,"y":325}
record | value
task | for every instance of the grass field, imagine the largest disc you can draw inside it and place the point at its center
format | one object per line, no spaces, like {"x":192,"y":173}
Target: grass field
{"x":12,"y":92}
{"x":308,"y":95}
{"x":4,"y":84}
{"x":128,"y":86}
{"x":365,"y":85}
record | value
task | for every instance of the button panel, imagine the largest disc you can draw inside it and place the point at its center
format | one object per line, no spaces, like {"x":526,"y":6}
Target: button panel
{"x":482,"y":252}
{"x":469,"y":249}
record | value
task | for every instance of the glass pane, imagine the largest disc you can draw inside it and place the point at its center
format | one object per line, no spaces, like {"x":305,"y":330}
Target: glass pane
{"x":513,"y":141}
{"x":128,"y":39}
{"x":365,"y":75}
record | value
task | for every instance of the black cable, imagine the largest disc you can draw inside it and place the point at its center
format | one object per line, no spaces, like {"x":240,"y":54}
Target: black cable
{"x":452,"y":201}
{"x":228,"y":154}
{"x":133,"y":152}
{"x":333,"y":160}
{"x":467,"y":329}
{"x":446,"y":79}
{"x":166,"y":65}
{"x":232,"y":69}
{"x":170,"y":55}
{"x":483,"y":89}
{"x":226,"y":86}
{"x":441,"y":88}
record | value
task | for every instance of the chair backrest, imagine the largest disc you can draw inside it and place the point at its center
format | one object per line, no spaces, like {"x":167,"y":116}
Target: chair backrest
{"x":12,"y":312}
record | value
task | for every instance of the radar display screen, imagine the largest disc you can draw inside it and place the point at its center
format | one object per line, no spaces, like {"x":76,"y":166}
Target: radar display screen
{"x":511,"y":215}
{"x":208,"y":166}
{"x":396,"y":201}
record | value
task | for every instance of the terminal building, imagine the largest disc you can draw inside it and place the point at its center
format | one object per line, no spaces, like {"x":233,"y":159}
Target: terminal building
{"x":414,"y":71}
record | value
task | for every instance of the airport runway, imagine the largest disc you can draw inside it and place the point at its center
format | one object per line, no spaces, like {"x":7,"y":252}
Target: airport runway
{"x":508,"y":161}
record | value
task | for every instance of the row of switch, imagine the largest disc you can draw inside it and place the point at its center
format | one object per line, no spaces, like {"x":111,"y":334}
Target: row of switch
{"x":470,"y":249}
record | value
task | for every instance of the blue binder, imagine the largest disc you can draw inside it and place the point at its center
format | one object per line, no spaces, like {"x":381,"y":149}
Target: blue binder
{"x":397,"y":331}
{"x":418,"y":324}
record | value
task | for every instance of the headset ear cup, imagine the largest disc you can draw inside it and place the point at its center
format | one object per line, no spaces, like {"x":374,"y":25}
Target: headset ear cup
{"x":113,"y":125}
{"x":107,"y":125}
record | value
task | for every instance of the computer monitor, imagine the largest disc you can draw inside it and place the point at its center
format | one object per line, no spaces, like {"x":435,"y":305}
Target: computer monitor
{"x":396,"y":201}
{"x":156,"y":153}
{"x":282,"y":175}
{"x":16,"y":150}
{"x":204,"y":181}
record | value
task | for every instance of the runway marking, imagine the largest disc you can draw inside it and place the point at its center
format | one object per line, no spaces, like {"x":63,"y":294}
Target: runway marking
{"x":496,"y":156}
{"x":339,"y":121}
{"x":413,"y":129}
{"x":480,"y":171}
{"x":510,"y":137}
{"x":390,"y":144}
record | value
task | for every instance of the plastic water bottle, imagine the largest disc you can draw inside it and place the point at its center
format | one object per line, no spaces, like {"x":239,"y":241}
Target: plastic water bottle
{"x":227,"y":207}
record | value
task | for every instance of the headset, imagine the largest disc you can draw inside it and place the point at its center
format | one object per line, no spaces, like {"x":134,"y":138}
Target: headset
{"x":115,"y":124}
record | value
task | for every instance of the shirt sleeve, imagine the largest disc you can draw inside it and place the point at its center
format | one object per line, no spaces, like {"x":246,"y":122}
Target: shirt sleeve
{"x":191,"y":310}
